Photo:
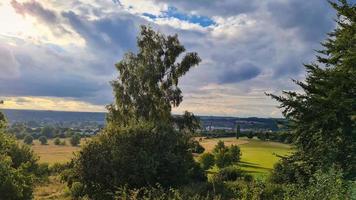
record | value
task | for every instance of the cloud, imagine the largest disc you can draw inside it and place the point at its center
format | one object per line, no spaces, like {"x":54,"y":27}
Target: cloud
{"x":312,"y":19}
{"x":8,"y":65}
{"x":42,"y":14}
{"x":242,"y":72}
{"x":109,"y":34}
{"x":247,"y":47}
{"x":214,"y":8}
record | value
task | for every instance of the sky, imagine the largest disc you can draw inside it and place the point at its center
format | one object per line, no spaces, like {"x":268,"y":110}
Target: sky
{"x":60,"y":55}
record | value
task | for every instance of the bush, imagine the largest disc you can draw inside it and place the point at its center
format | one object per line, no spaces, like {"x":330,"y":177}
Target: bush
{"x":250,"y":135}
{"x":135,"y":157}
{"x":77,"y":190}
{"x":28,"y":139}
{"x":196,"y":147}
{"x":225,"y":156}
{"x":206,"y":161}
{"x":160,"y":193}
{"x":323,"y":185}
{"x":17,"y":169}
{"x":43,"y":140}
{"x":75,"y":140}
{"x":230,"y":173}
{"x":57,"y":141}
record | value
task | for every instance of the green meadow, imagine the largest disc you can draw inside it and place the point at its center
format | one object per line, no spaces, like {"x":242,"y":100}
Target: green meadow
{"x":258,"y":157}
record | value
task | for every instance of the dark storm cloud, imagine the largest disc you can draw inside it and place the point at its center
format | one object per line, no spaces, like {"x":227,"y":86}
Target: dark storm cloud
{"x":114,"y":33}
{"x":313,"y":19}
{"x":239,"y":73}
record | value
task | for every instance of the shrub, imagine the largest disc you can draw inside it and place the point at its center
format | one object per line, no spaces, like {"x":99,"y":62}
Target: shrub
{"x":43,"y":140}
{"x":77,"y":190}
{"x":250,"y":135}
{"x":63,"y":143}
{"x":225,"y":156}
{"x":136,"y":156}
{"x":28,"y":139}
{"x":322,"y":185}
{"x":57,"y":141}
{"x":161,"y":193}
{"x":206,"y":161}
{"x":230,"y":173}
{"x":196,"y":147}
{"x":17,"y":168}
{"x":75,"y":140}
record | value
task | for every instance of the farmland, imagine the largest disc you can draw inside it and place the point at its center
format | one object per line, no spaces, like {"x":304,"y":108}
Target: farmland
{"x":258,"y":157}
{"x":52,"y":153}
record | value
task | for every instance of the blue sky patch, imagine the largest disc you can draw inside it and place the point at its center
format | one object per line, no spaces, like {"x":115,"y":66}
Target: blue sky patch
{"x":173,"y":12}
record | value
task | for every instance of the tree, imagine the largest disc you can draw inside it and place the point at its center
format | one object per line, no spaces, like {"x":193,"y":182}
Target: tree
{"x":238,"y":131}
{"x":57,"y":141}
{"x":3,"y":121}
{"x":28,"y":139}
{"x":138,"y":156}
{"x":323,"y":118}
{"x":75,"y":140}
{"x":43,"y":140}
{"x":18,"y":166}
{"x":142,"y":144}
{"x":225,"y":156}
{"x":206,"y":161}
{"x":147,"y":87}
{"x":250,"y":135}
{"x":47,"y":131}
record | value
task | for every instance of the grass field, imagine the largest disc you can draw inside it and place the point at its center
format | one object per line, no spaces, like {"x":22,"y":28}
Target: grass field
{"x":258,"y":157}
{"x":51,"y":153}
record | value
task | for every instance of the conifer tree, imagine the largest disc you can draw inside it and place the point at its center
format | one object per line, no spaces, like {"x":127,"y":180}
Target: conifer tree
{"x":323,"y":117}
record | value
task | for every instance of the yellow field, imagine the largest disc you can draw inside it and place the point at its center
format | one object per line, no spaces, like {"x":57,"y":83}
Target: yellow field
{"x":51,"y":153}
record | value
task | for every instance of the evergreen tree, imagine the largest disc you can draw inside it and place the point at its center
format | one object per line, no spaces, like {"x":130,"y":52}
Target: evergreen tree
{"x":323,"y":117}
{"x":238,"y":131}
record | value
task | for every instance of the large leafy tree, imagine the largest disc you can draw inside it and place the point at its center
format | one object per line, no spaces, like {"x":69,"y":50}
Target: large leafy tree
{"x":323,"y":117}
{"x":147,"y":86}
{"x":143,"y":144}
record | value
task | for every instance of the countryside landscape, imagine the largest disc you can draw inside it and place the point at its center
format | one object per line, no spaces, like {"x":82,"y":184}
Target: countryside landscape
{"x":176,"y":100}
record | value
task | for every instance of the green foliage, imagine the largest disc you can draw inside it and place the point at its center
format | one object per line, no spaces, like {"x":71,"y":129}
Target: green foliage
{"x":57,"y":141}
{"x":323,"y":185}
{"x":43,"y":140}
{"x":225,"y":156}
{"x":323,"y":116}
{"x":230,"y":173}
{"x":187,"y":123}
{"x":206,"y":160}
{"x":250,"y":135}
{"x":196,"y":147}
{"x":77,"y":190}
{"x":75,"y":140}
{"x":48,"y":131}
{"x":28,"y":139}
{"x":3,"y":121}
{"x":160,"y":193}
{"x":147,"y":87}
{"x":136,"y":156}
{"x":238,"y":131}
{"x":17,"y":168}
